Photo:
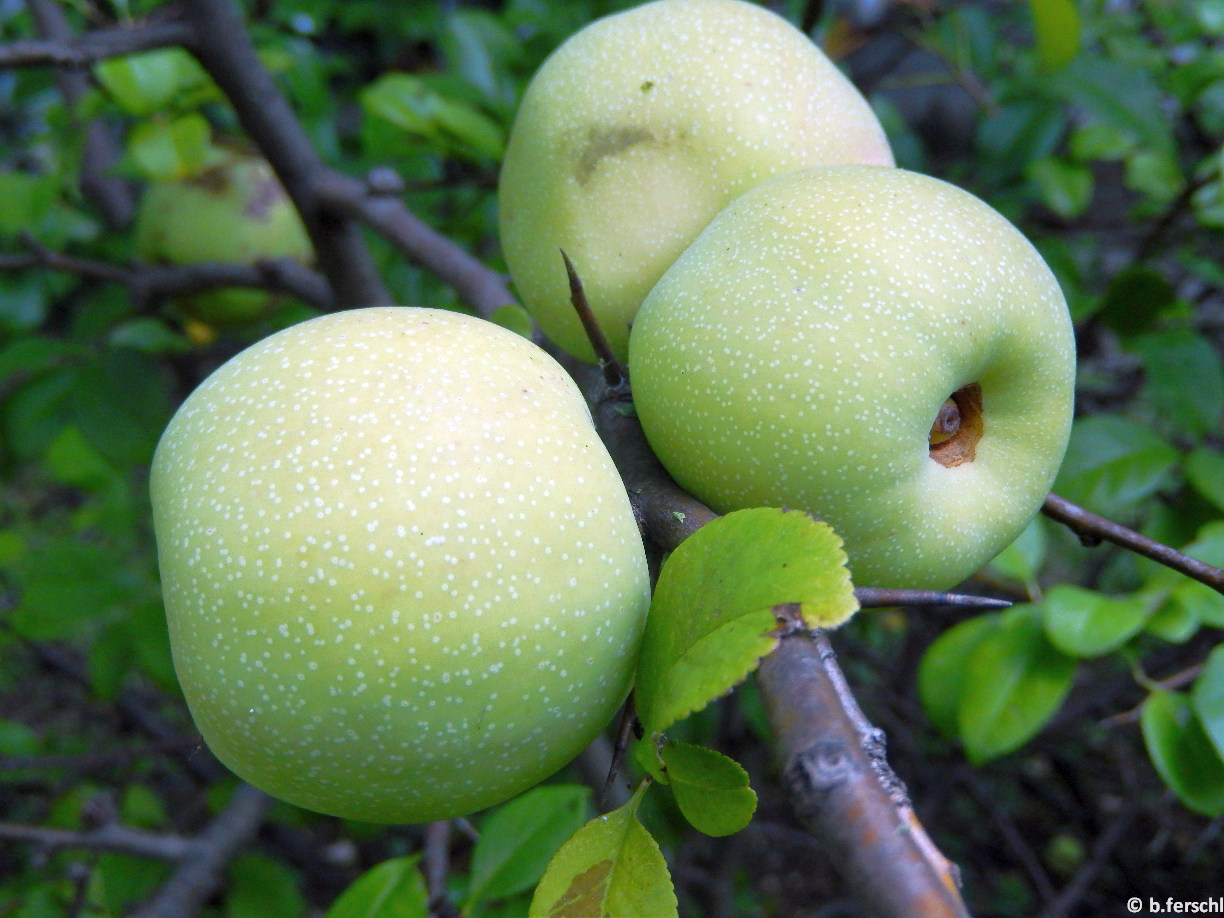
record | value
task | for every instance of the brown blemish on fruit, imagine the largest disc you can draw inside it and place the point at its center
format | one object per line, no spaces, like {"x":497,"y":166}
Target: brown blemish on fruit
{"x":604,"y":142}
{"x":957,"y":427}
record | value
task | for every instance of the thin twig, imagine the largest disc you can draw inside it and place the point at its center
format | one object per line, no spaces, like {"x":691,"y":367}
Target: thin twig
{"x":197,"y":876}
{"x":112,"y":837}
{"x":436,"y":864}
{"x":220,"y":42}
{"x":86,"y":763}
{"x":608,"y":798}
{"x":1093,"y":529}
{"x":98,"y":45}
{"x":151,"y":283}
{"x":112,"y":195}
{"x":478,"y":286}
{"x":613,"y":372}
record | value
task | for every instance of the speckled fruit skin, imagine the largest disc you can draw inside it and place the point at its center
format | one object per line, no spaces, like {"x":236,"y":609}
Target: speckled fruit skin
{"x":798,"y":352}
{"x":640,"y":128}
{"x":236,"y":212}
{"x":402,"y":576}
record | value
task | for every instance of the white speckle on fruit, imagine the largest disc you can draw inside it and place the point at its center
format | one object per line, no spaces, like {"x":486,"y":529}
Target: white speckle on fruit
{"x":402,"y":428}
{"x":886,"y":291}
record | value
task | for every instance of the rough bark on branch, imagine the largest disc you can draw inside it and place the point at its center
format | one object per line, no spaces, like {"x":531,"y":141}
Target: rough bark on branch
{"x":112,"y":195}
{"x":197,"y":876}
{"x":843,"y":791}
{"x":837,"y":779}
{"x":479,"y":287}
{"x":220,"y":42}
{"x":98,"y":45}
{"x":149,"y":283}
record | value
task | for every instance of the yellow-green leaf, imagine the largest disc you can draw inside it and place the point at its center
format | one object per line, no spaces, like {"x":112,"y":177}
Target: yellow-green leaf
{"x":1182,"y":752}
{"x":711,"y":789}
{"x":1015,"y":681}
{"x":610,"y":868}
{"x":715,"y":609}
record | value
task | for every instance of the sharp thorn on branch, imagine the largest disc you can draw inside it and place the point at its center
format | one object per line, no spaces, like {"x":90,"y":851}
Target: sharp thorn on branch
{"x":873,"y":598}
{"x":614,"y":373}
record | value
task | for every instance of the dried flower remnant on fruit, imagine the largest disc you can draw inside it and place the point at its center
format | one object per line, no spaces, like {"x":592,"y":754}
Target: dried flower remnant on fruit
{"x":958,"y":427}
{"x":947,"y":423}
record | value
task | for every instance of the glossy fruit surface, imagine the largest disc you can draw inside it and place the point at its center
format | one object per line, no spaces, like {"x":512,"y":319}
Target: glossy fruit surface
{"x":236,"y":212}
{"x":873,"y":346}
{"x":401,"y":573}
{"x":640,"y":128}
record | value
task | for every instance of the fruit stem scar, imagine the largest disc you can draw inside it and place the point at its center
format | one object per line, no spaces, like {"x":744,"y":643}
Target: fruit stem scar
{"x":957,"y":427}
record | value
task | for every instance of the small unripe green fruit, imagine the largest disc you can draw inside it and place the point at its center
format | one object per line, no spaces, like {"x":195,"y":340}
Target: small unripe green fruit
{"x":640,"y":128}
{"x":876,"y":347}
{"x":237,"y":213}
{"x":402,"y":576}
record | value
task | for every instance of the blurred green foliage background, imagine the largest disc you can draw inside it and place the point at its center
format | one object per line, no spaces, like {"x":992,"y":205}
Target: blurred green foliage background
{"x":1094,"y":711}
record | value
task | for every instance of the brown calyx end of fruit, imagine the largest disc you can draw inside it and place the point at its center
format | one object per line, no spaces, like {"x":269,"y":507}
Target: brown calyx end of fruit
{"x":957,"y":428}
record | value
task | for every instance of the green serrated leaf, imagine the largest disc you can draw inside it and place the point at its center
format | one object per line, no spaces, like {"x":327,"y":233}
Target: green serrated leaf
{"x":941,"y":674}
{"x":1182,"y":752}
{"x":392,"y":889}
{"x":1207,"y":698}
{"x":519,"y":838}
{"x":1084,"y":623}
{"x":146,"y":82}
{"x":1172,"y":357}
{"x":1205,"y":473}
{"x":72,"y":460}
{"x":1065,"y":187}
{"x":63,"y":586}
{"x":1113,"y":464}
{"x":1118,"y":94}
{"x":711,"y":789}
{"x":712,"y":617}
{"x":1014,"y":683}
{"x":1057,"y":25}
{"x":167,"y":151}
{"x":449,"y":124}
{"x":646,"y":754}
{"x":610,"y":868}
